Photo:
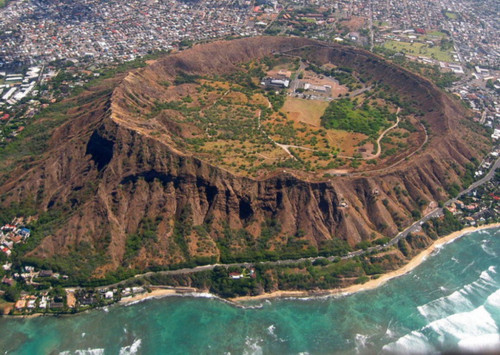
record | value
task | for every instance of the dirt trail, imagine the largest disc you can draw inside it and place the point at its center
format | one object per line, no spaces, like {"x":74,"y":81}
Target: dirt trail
{"x":379,"y":147}
{"x":286,"y":147}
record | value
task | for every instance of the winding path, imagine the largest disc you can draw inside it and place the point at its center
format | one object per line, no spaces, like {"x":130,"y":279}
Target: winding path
{"x":379,"y":147}
{"x":396,"y":163}
{"x":286,"y":147}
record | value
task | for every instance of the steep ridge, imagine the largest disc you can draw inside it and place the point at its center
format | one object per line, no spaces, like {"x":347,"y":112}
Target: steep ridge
{"x":111,"y":168}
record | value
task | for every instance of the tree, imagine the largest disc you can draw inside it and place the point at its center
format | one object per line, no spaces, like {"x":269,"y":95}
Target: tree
{"x":11,"y":294}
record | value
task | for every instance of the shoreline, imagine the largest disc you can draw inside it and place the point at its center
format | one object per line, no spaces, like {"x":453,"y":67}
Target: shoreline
{"x":374,"y":283}
{"x":158,"y":292}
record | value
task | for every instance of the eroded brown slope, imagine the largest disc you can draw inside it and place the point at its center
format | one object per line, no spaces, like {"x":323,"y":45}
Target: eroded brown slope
{"x":112,"y":168}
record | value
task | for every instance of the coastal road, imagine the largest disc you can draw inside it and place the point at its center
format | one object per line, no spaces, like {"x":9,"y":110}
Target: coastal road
{"x":439,"y":211}
{"x":415,"y":227}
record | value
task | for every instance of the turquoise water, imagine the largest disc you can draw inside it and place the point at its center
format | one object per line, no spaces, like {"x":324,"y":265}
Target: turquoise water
{"x":450,"y":302}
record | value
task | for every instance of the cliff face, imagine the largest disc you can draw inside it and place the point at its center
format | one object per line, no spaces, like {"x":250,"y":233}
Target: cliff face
{"x":109,"y":168}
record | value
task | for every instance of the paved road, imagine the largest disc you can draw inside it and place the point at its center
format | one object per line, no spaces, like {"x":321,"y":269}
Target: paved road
{"x":439,"y":211}
{"x":411,"y":229}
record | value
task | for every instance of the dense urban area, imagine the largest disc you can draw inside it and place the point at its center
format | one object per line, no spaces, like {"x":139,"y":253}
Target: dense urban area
{"x":51,"y":49}
{"x":48,"y":49}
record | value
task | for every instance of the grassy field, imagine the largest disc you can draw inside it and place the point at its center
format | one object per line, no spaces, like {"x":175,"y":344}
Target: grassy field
{"x":307,"y":111}
{"x":419,"y":49}
{"x":451,"y":15}
{"x":435,"y":34}
{"x":346,"y":142}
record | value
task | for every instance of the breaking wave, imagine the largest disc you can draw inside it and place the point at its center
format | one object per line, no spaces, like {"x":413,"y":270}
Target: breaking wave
{"x":483,"y":343}
{"x":469,"y":330}
{"x":460,"y":300}
{"x":253,"y":346}
{"x":97,"y":351}
{"x":131,"y":349}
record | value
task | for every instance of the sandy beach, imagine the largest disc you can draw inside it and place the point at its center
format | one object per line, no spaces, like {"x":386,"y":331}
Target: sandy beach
{"x":156,"y":293}
{"x":161,"y":291}
{"x":413,"y":263}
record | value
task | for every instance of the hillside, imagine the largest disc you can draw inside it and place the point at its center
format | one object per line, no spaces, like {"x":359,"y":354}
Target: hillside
{"x":130,"y":195}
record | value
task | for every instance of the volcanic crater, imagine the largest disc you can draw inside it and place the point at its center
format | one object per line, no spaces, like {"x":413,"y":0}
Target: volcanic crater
{"x":139,"y":187}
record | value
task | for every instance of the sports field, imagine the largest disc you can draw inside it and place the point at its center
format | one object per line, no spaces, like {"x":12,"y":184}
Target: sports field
{"x":420,"y":49}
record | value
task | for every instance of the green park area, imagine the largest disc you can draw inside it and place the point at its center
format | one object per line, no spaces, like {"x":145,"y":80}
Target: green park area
{"x":248,"y":128}
{"x":451,"y":15}
{"x":421,"y":49}
{"x":347,"y":115}
{"x":435,"y":34}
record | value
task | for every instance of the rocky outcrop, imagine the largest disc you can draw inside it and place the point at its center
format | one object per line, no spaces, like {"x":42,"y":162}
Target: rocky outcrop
{"x":111,"y":172}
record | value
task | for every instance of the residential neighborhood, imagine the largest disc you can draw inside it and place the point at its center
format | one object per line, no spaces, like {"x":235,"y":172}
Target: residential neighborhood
{"x":48,"y":50}
{"x":14,"y":233}
{"x":39,"y":42}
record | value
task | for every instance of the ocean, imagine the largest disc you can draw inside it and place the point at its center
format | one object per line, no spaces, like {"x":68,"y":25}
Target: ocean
{"x":450,"y":302}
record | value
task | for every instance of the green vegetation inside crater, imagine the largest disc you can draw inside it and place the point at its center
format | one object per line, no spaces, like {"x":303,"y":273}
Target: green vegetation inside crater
{"x":346,"y":115}
{"x":242,"y":123}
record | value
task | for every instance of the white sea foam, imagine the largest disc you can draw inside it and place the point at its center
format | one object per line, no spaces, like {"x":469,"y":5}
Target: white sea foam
{"x":482,"y":343}
{"x":486,"y":276}
{"x":257,"y":306}
{"x":324,"y":297}
{"x":389,"y":333}
{"x":190,"y":294}
{"x":463,"y":325}
{"x":308,"y":298}
{"x":494,"y":300}
{"x":459,"y":301}
{"x":468,"y":328}
{"x":445,"y":305}
{"x":467,"y":267}
{"x":477,"y":289}
{"x":360,"y":341}
{"x":413,"y":343}
{"x":131,"y":349}
{"x":271,"y":329}
{"x":252,"y":346}
{"x":201,"y":295}
{"x":135,"y":302}
{"x":83,"y":335}
{"x":487,"y":249}
{"x":90,"y":352}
